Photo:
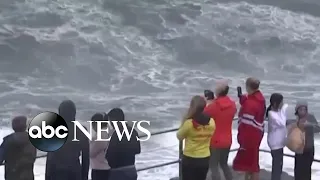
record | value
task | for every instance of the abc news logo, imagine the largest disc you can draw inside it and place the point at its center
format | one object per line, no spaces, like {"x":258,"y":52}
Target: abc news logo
{"x":48,"y":131}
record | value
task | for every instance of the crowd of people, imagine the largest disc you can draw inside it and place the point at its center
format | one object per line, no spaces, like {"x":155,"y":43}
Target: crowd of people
{"x":206,"y":130}
{"x":109,"y":160}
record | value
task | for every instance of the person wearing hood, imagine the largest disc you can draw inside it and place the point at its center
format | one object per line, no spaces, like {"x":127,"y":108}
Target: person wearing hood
{"x":99,"y":165}
{"x":277,"y":133}
{"x":196,"y":130}
{"x":121,"y":152}
{"x":17,"y":152}
{"x":222,"y":110}
{"x":250,"y":129}
{"x":309,"y":125}
{"x":64,"y":164}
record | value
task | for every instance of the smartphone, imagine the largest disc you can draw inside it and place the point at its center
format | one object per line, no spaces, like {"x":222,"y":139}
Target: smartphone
{"x":208,"y":94}
{"x":239,"y":90}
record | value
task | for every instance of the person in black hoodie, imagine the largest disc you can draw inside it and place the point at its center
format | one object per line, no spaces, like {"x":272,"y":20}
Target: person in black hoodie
{"x":17,"y":153}
{"x":64,"y":164}
{"x":121,"y":153}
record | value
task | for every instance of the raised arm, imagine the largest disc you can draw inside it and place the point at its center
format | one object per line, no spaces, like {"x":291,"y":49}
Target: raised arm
{"x":242,"y":99}
{"x":276,"y":120}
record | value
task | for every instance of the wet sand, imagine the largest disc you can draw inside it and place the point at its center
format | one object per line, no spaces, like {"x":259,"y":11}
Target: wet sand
{"x":264,"y":175}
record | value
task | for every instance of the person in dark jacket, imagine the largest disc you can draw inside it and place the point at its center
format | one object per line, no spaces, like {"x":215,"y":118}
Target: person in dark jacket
{"x":64,"y":164}
{"x":17,"y":153}
{"x":307,"y":123}
{"x":121,"y":153}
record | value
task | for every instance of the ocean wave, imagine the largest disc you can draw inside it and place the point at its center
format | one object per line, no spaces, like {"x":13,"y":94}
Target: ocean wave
{"x":95,"y":51}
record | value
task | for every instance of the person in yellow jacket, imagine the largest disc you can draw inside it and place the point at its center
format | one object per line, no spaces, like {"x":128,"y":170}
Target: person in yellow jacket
{"x":196,"y":130}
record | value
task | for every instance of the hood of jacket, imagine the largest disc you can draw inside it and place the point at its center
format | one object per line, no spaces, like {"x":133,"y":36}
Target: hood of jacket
{"x":200,"y":120}
{"x":18,"y":140}
{"x":67,"y":110}
{"x":19,"y":124}
{"x":257,"y":96}
{"x":224,"y":102}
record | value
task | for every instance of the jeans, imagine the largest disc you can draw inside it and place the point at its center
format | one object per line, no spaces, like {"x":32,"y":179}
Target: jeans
{"x":219,"y":157}
{"x":277,"y":164}
{"x":194,"y":168}
{"x":302,"y":165}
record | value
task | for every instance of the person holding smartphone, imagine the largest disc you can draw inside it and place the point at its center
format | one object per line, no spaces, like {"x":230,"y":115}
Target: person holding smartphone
{"x":222,"y":110}
{"x":209,"y":95}
{"x":250,"y":129}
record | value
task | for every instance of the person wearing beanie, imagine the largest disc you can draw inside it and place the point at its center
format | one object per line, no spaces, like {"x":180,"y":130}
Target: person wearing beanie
{"x":17,"y":153}
{"x":309,"y":125}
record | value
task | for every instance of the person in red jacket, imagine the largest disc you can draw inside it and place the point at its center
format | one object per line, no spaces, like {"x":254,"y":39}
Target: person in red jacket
{"x":222,"y":110}
{"x":250,"y":129}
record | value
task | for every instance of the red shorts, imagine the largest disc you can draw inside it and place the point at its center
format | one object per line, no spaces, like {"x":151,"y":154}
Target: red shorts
{"x":247,"y":160}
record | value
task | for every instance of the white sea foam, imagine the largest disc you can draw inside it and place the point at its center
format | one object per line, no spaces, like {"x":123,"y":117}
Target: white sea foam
{"x":139,"y":58}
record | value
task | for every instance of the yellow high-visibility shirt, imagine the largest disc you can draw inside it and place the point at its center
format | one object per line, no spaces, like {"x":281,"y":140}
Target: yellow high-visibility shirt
{"x":197,"y":139}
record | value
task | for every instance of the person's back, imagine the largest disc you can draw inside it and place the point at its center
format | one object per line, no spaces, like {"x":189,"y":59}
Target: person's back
{"x":99,"y":164}
{"x":200,"y":130}
{"x":196,"y":130}
{"x":121,"y":153}
{"x":250,"y":129}
{"x":18,"y":153}
{"x":222,"y":110}
{"x":64,"y":164}
{"x":251,"y":119}
{"x":277,"y":130}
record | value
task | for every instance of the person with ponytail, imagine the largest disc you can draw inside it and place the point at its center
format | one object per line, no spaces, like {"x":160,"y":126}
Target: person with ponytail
{"x":196,"y":130}
{"x":277,"y":132}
